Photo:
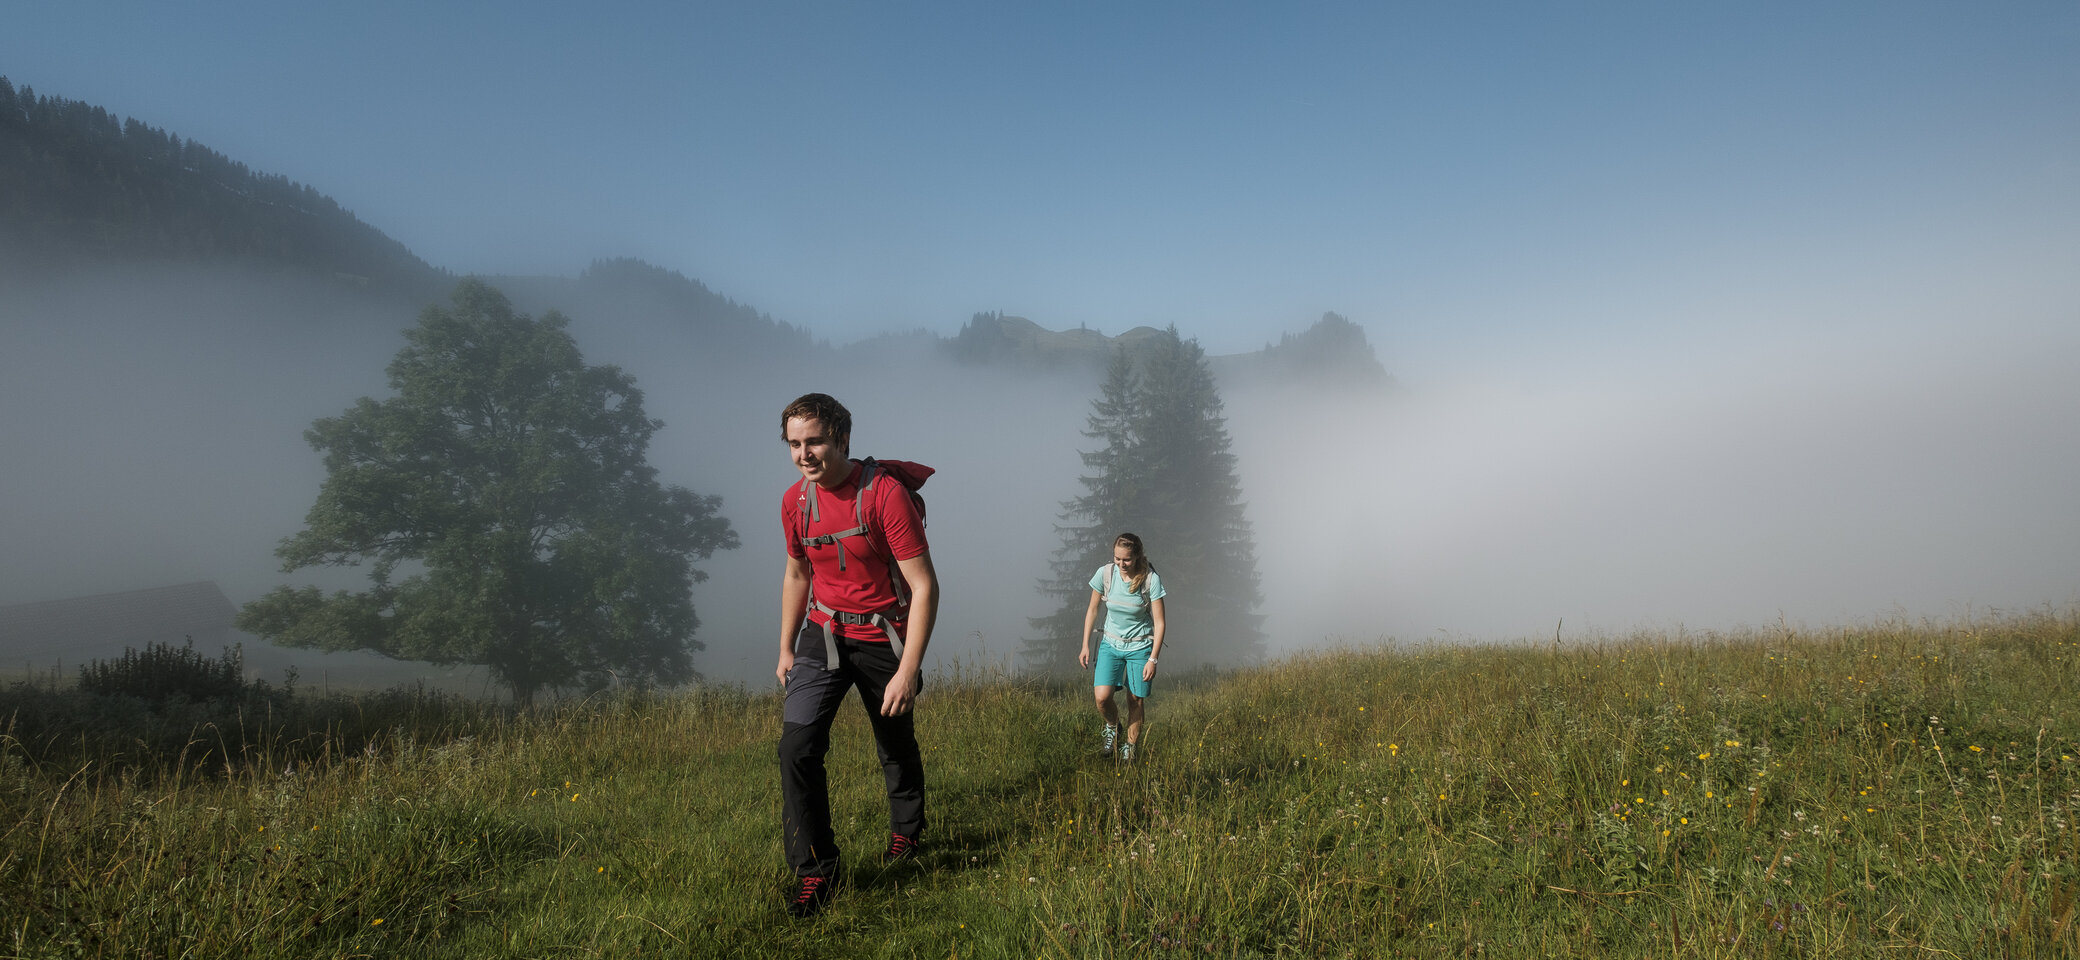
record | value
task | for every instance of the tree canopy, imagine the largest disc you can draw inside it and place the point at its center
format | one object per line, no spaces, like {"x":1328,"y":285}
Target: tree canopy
{"x":505,"y":506}
{"x":1161,"y":469}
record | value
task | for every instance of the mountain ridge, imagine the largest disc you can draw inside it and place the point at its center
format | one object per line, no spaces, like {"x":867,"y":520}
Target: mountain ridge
{"x":80,"y":188}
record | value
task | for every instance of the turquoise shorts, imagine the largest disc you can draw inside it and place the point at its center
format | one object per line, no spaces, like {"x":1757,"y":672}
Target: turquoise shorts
{"x":1116,"y":669}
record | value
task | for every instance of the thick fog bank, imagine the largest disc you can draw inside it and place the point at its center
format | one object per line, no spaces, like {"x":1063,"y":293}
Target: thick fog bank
{"x":154,"y":423}
{"x":1821,"y":479}
{"x":154,"y":436}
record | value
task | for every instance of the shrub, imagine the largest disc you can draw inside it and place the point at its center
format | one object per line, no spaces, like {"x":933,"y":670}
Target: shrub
{"x":162,"y":671}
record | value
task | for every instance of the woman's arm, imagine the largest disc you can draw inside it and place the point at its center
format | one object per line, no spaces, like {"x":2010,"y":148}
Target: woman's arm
{"x":1090,"y":616}
{"x":1155,"y":610}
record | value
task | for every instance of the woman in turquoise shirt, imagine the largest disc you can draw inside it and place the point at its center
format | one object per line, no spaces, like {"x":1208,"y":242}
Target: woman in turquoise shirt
{"x":1132,"y":595}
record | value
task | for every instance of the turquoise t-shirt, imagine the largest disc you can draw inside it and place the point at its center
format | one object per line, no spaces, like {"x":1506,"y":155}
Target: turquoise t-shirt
{"x":1127,"y":615}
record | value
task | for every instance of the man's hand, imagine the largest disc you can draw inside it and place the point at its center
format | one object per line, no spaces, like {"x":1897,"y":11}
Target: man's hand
{"x":794,"y":602}
{"x":901,"y":693}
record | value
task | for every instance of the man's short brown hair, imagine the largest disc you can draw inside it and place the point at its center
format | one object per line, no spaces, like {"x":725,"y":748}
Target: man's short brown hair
{"x":820,"y":407}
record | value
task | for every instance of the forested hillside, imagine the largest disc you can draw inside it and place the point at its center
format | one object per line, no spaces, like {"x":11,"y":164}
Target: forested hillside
{"x":627,"y":292}
{"x":78,"y":186}
{"x":81,"y":188}
{"x":1333,"y":351}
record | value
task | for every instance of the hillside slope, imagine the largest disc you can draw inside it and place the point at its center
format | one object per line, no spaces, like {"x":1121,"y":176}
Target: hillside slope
{"x":79,"y":188}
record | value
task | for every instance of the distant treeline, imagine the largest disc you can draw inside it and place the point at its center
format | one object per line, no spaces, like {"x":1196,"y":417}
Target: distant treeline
{"x":81,"y":188}
{"x":78,"y":185}
{"x":1332,"y":351}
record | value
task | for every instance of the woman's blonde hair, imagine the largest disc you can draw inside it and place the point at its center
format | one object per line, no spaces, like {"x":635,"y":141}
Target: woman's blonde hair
{"x":1137,"y":566}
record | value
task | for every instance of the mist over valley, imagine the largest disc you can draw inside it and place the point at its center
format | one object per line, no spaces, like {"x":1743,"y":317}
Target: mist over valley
{"x":1912,"y":460}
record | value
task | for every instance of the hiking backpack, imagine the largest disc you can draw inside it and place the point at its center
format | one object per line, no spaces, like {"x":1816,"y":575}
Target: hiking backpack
{"x":911,"y":476}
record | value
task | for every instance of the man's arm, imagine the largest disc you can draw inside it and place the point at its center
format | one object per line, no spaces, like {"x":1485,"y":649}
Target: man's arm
{"x":794,"y":604}
{"x":901,"y":694}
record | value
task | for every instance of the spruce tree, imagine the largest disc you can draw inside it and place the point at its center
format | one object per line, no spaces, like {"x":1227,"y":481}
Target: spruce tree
{"x":1163,"y":470}
{"x":1090,"y":521}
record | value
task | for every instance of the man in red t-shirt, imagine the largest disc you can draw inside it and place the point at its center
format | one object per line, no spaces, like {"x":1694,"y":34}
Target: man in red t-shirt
{"x":857,"y":601}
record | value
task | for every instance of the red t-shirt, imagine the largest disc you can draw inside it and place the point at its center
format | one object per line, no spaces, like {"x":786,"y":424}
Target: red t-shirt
{"x":893,"y":530}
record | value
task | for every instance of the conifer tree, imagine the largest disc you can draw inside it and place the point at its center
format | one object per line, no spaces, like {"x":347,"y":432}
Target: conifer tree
{"x":1090,"y":521}
{"x":1163,"y":470}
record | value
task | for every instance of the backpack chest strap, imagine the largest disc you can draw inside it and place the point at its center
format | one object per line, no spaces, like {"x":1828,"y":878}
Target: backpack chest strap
{"x":831,"y":539}
{"x":814,"y":512}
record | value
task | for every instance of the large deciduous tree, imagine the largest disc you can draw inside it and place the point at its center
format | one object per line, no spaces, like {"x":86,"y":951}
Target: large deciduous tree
{"x":506,"y":509}
{"x":1162,"y":469}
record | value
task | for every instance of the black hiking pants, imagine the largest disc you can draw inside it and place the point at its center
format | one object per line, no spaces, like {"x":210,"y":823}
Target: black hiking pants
{"x":815,"y":691}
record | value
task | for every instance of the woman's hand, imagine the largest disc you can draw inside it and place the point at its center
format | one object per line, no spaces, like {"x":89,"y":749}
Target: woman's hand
{"x":1148,"y":670}
{"x":1085,"y":657}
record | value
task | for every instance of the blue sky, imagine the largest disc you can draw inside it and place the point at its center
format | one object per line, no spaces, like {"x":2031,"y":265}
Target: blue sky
{"x":1471,"y":175}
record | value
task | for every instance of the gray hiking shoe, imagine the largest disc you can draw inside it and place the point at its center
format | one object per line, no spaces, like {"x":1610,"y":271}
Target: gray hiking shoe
{"x":1126,"y":751}
{"x":1110,"y":741}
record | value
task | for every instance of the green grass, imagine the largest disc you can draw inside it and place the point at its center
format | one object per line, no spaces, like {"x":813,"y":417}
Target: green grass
{"x":1896,"y":790}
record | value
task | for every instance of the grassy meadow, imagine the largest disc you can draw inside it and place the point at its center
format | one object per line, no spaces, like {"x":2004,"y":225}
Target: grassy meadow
{"x":1893,"y":790}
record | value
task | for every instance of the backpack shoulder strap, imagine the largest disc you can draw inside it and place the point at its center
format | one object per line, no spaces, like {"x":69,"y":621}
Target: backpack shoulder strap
{"x":868,"y":471}
{"x":808,"y":513}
